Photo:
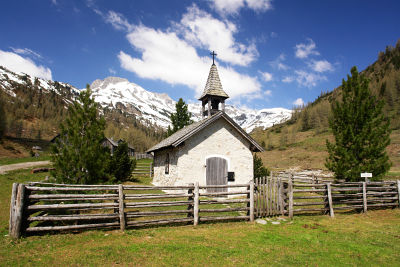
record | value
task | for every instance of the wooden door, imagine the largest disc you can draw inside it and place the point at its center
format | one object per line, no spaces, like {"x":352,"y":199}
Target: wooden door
{"x":216,"y":173}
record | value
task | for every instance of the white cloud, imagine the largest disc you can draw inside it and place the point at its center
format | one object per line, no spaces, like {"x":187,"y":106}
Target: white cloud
{"x":202,"y":30}
{"x":54,"y":2}
{"x":308,"y":79}
{"x":170,"y":55}
{"x":231,"y":7}
{"x":288,"y":79}
{"x":26,"y":51}
{"x":117,"y":20}
{"x":168,"y":58}
{"x":278,"y":63}
{"x":112,"y":71}
{"x":267,"y":92}
{"x":303,"y":50}
{"x":228,"y":6}
{"x":266,"y":76}
{"x":16,"y":63}
{"x":259,"y":5}
{"x":298,"y":102}
{"x":321,"y":65}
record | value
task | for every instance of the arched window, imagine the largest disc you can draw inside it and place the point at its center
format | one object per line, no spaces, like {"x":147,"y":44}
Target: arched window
{"x":167,"y":164}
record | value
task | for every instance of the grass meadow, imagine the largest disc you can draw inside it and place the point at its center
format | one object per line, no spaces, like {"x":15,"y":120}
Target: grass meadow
{"x":371,"y":239}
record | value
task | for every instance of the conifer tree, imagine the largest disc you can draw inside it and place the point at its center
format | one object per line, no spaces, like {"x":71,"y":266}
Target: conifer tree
{"x":78,"y":155}
{"x":180,"y":118}
{"x":361,"y":132}
{"x":121,"y":164}
{"x":258,"y":168}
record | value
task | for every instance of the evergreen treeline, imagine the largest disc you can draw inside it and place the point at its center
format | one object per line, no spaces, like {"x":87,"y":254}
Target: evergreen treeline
{"x":36,"y":113}
{"x":125,"y":126}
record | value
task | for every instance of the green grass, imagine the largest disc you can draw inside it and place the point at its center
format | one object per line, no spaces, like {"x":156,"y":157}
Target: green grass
{"x":145,"y":161}
{"x":6,"y":161}
{"x":371,"y":239}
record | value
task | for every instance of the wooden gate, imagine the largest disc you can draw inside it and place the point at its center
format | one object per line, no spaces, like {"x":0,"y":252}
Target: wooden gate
{"x":269,"y":197}
{"x":216,"y":173}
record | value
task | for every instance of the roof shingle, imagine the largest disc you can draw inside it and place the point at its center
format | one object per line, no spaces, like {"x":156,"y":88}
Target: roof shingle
{"x":213,"y":85}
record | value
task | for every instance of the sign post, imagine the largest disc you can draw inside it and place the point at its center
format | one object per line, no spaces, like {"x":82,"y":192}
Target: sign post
{"x":366,"y":175}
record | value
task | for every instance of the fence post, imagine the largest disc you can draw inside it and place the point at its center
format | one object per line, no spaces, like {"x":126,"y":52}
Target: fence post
{"x":151,"y":168}
{"x":290,"y":188}
{"x":251,"y":201}
{"x":398,"y":191}
{"x":364,"y":187}
{"x":279,"y":196}
{"x":256,"y":198}
{"x":313,"y":180}
{"x":12,"y":208}
{"x":121,"y":207}
{"x":329,"y":191}
{"x":190,"y":198}
{"x":196,"y":204}
{"x":18,"y":212}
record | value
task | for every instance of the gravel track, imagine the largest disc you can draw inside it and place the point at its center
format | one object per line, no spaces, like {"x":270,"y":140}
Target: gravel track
{"x":24,"y":165}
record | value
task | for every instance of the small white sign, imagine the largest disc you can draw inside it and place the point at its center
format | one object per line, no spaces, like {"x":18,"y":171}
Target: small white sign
{"x":366,"y":175}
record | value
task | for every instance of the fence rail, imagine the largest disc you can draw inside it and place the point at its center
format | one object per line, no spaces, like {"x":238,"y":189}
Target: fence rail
{"x":143,"y":156}
{"x":41,"y":207}
{"x":143,"y":169}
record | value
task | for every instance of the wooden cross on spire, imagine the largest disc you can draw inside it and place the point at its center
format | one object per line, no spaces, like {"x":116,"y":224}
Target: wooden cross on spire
{"x":213,"y":55}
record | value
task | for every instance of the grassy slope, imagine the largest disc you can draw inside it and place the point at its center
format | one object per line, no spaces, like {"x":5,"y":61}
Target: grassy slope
{"x":358,"y":239}
{"x":291,"y":147}
{"x":307,"y":150}
{"x":16,"y":150}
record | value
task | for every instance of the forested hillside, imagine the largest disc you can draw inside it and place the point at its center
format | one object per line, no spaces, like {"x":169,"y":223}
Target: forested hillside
{"x":301,"y":140}
{"x":34,"y":108}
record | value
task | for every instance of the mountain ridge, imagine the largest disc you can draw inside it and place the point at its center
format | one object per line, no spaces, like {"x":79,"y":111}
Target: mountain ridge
{"x":157,"y":107}
{"x":35,"y":107}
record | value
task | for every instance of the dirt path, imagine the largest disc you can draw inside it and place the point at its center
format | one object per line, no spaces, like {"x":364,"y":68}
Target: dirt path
{"x":25,"y":165}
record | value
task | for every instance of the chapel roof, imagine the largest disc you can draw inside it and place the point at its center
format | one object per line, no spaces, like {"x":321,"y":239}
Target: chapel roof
{"x":185,"y":133}
{"x":213,"y":85}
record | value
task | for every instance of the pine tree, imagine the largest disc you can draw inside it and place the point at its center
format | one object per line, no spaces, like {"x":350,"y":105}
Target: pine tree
{"x":121,"y":164}
{"x":180,"y":118}
{"x":78,"y":155}
{"x":258,"y":167}
{"x":361,"y":132}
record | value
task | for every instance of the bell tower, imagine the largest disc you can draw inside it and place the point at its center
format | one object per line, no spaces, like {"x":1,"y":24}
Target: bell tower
{"x":213,"y":94}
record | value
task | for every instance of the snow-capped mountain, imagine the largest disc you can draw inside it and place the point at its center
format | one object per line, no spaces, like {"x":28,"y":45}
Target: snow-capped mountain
{"x":149,"y":107}
{"x":9,"y":80}
{"x":156,"y":108}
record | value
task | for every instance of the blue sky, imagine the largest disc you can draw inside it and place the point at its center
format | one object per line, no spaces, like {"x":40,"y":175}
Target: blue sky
{"x":270,"y":53}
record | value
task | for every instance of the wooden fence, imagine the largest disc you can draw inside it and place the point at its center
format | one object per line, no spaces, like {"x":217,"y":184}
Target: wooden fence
{"x":44,"y":207}
{"x":310,"y":198}
{"x":303,"y":178}
{"x":143,"y":156}
{"x":143,"y":169}
{"x":270,"y":196}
